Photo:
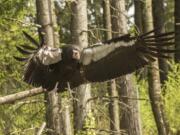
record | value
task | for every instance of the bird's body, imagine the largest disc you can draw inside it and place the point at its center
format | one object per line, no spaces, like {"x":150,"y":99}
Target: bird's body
{"x":49,"y":67}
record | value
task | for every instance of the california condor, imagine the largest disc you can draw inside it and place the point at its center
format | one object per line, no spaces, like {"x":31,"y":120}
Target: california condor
{"x":49,"y":67}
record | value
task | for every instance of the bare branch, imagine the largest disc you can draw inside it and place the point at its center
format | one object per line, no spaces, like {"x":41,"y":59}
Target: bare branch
{"x":122,"y":132}
{"x":41,"y":128}
{"x":116,"y":97}
{"x":9,"y":99}
{"x":22,"y":22}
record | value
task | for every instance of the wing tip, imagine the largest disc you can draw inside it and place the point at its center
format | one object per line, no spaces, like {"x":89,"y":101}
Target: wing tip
{"x":20,"y":59}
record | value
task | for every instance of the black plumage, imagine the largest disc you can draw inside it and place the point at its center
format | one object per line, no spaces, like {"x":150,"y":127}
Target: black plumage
{"x":49,"y":67}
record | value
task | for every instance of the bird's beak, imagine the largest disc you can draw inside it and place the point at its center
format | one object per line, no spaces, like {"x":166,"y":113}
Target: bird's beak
{"x":76,"y":55}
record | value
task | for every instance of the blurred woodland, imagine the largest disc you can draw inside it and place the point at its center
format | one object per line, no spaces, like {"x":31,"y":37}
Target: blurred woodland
{"x":143,"y":103}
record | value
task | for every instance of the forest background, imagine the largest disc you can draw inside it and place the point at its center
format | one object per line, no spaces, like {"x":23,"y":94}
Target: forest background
{"x":134,"y":104}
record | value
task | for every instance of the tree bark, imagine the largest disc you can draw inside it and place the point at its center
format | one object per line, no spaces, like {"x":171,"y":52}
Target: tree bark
{"x":112,"y":91}
{"x":79,"y":37}
{"x":43,"y":8}
{"x":9,"y":99}
{"x":138,"y":15}
{"x":177,"y":30}
{"x":129,"y":109}
{"x":154,"y":77}
{"x":67,"y":121}
{"x":139,"y":26}
{"x":159,"y":20}
{"x":159,"y":24}
{"x":46,"y":18}
{"x":53,"y":117}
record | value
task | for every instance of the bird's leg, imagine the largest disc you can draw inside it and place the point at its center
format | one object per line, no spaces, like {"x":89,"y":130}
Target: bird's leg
{"x":71,"y":92}
{"x":55,"y":88}
{"x":69,"y":89}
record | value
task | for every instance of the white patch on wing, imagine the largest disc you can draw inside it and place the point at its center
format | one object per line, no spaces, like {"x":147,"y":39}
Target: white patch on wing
{"x":86,"y":56}
{"x":96,"y":53}
{"x":48,"y":55}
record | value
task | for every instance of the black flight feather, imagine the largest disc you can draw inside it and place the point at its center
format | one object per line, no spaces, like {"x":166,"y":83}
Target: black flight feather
{"x":30,"y":48}
{"x":20,"y":58}
{"x":22,"y":51}
{"x":159,"y":35}
{"x":32,"y":40}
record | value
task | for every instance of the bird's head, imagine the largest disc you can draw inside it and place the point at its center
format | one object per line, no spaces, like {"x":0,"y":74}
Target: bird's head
{"x":71,"y":53}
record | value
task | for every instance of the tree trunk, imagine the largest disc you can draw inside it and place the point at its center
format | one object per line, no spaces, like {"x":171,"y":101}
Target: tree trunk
{"x":67,"y":128}
{"x":129,"y":109}
{"x":159,"y":20}
{"x":53,"y":117}
{"x":177,"y":30}
{"x":139,"y":26}
{"x":154,"y":77}
{"x":159,"y":24}
{"x":79,"y":37}
{"x":138,"y":15}
{"x":46,"y":18}
{"x":65,"y":105}
{"x":112,"y":91}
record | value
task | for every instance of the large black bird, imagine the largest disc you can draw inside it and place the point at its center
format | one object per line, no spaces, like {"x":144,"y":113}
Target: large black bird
{"x":49,"y":67}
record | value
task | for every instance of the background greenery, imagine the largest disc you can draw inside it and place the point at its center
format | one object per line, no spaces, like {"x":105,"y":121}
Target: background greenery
{"x":25,"y":116}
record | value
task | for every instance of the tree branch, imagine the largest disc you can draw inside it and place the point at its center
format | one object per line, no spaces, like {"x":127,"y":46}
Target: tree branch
{"x":41,"y":128}
{"x":9,"y":99}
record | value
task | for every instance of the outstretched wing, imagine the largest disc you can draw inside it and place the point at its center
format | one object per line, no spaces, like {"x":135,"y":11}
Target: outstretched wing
{"x":123,"y":55}
{"x":41,"y":67}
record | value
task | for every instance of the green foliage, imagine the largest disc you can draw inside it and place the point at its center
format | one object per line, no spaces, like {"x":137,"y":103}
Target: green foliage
{"x":22,"y":117}
{"x":172,"y":97}
{"x":12,"y":14}
{"x":148,"y":124}
{"x":171,"y":91}
{"x":89,"y":125}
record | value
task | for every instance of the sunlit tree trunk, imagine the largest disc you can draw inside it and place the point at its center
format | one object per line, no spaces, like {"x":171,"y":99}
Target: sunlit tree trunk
{"x":112,"y":91}
{"x":46,"y":18}
{"x":79,"y":37}
{"x":154,"y":77}
{"x":129,"y":109}
{"x":66,"y":117}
